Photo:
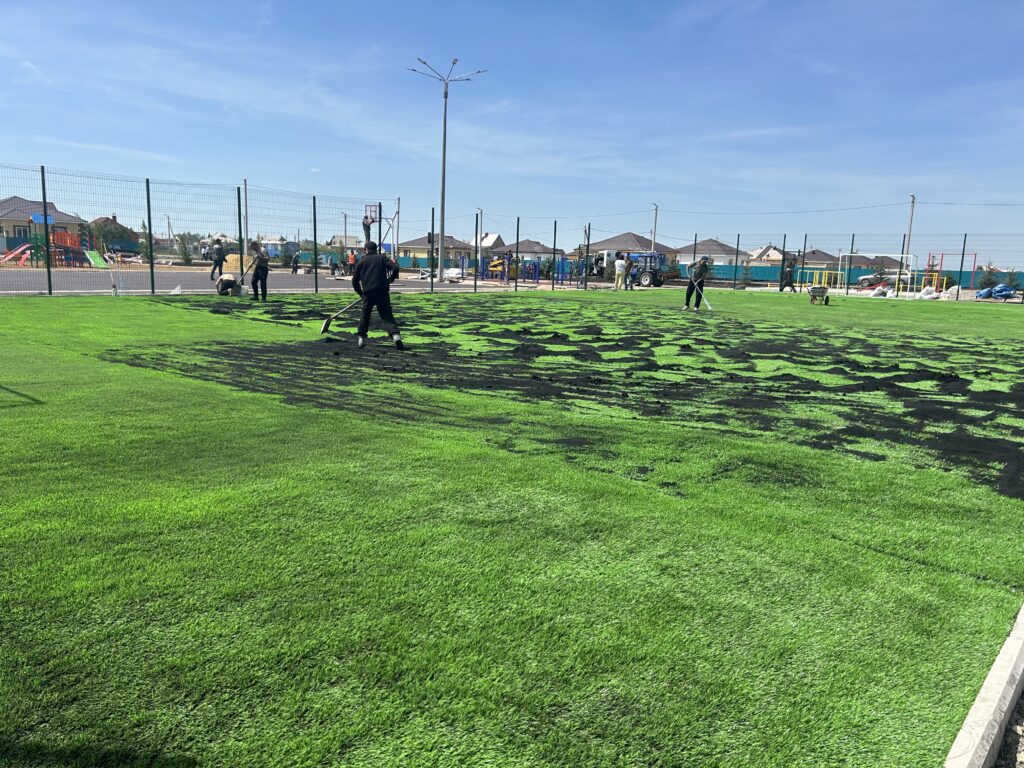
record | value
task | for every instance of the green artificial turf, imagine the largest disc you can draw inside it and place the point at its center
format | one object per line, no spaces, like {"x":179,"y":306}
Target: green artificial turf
{"x":561,"y":529}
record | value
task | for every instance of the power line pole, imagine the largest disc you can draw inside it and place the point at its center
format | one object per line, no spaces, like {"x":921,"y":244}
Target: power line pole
{"x":910,"y":226}
{"x":654,"y":232}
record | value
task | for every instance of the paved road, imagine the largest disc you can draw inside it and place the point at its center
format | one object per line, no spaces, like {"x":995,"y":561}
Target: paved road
{"x":135,"y":280}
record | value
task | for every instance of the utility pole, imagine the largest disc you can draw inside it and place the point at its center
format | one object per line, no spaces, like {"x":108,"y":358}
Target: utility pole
{"x":398,"y":216}
{"x":481,"y":234}
{"x":910,"y":226}
{"x":344,"y":244}
{"x":654,"y":232}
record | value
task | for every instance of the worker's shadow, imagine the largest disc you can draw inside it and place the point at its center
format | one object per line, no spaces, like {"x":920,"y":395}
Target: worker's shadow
{"x":17,"y":399}
{"x":26,"y":755}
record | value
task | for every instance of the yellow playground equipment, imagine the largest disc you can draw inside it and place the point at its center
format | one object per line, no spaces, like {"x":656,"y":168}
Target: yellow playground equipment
{"x":936,"y":280}
{"x":826,"y":278}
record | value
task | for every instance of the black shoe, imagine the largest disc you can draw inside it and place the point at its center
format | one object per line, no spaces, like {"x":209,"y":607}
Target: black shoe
{"x":399,"y":345}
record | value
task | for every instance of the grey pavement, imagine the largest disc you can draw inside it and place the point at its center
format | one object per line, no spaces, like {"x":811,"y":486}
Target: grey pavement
{"x":134,"y":279}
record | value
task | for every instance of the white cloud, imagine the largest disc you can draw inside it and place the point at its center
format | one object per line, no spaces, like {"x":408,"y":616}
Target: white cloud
{"x":108,"y":149}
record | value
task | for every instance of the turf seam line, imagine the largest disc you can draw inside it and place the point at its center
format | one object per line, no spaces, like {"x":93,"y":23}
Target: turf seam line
{"x":1015,"y":589}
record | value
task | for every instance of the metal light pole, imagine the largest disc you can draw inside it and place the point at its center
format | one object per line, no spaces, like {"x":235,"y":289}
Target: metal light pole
{"x":445,"y":79}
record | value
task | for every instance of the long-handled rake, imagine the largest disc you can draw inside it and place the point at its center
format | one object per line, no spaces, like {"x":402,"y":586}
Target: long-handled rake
{"x":703,"y":298}
{"x":327,"y":323}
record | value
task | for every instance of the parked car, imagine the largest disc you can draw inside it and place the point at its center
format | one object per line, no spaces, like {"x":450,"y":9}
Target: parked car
{"x":885,"y":276}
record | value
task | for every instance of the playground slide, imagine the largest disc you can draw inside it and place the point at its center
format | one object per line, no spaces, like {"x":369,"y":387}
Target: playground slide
{"x":24,"y":251}
{"x":97,"y":260}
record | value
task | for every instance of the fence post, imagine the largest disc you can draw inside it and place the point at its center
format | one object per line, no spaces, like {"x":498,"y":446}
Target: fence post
{"x":736,"y":263}
{"x":380,"y":222}
{"x":554,"y":254}
{"x":782,"y":264}
{"x":517,"y":253}
{"x":476,"y":265}
{"x":849,"y":263}
{"x":149,"y":240}
{"x":803,"y":262}
{"x":586,"y":260}
{"x":241,"y":252}
{"x":316,"y":253}
{"x":960,"y":277}
{"x":46,"y":232}
{"x":430,"y":246}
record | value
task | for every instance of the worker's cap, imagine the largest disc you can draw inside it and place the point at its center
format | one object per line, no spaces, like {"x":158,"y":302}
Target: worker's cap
{"x":371,"y":247}
{"x":703,"y":258}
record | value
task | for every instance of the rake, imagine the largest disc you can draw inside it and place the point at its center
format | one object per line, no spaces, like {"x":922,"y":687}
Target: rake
{"x":327,"y":323}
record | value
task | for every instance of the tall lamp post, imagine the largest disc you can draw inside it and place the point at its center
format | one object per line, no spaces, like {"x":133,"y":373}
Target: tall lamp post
{"x":445,"y":79}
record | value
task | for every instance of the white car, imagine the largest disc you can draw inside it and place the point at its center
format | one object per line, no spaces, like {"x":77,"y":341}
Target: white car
{"x":451,"y":275}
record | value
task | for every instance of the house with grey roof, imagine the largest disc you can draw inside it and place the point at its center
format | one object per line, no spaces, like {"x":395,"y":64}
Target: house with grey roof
{"x":454,"y":249}
{"x":631,"y":242}
{"x":717,"y":251}
{"x":531,"y":250}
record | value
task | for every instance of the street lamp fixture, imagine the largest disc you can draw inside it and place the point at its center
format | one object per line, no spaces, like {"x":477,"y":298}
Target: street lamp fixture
{"x":445,"y":79}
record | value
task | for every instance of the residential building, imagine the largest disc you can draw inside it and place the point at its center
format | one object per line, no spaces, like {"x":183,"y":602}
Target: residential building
{"x":16,"y":215}
{"x":630,"y":242}
{"x":346,"y":243}
{"x":489,"y":242}
{"x":455,"y":250}
{"x":530,"y":250}
{"x":718,"y":252}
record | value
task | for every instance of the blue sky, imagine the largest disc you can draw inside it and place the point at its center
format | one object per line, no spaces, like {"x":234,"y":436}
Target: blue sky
{"x":588,"y":108}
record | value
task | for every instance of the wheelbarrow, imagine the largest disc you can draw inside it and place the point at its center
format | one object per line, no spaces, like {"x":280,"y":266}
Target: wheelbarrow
{"x":818,"y":294}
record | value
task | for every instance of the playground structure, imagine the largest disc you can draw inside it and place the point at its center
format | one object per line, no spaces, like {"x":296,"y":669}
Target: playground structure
{"x":22,"y":254}
{"x":67,"y":250}
{"x":823,"y":278}
{"x":934,"y":276}
{"x":502,"y":267}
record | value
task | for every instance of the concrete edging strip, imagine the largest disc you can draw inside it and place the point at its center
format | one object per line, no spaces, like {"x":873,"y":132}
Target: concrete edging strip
{"x":980,"y":738}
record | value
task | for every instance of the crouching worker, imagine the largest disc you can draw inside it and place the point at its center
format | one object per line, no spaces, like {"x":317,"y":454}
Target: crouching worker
{"x":226,"y":285}
{"x":372,"y":279}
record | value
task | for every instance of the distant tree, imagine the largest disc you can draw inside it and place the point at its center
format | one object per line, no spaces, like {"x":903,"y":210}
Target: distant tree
{"x":144,"y":244}
{"x":988,"y":276}
{"x":415,"y":261}
{"x":184,"y":250}
{"x":109,"y":231}
{"x":746,"y":276}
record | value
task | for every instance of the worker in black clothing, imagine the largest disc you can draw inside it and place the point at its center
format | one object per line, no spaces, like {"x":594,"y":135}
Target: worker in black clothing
{"x":372,"y":279}
{"x":368,"y":221}
{"x":218,"y":258}
{"x":697,"y":270}
{"x":260,"y":270}
{"x":788,"y":276}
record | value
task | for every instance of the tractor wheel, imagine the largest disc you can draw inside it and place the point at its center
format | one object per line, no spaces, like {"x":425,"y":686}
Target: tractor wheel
{"x":826,"y":301}
{"x":646,"y":279}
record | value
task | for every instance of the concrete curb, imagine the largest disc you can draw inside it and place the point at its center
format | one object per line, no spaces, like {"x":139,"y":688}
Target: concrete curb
{"x":980,"y":738}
